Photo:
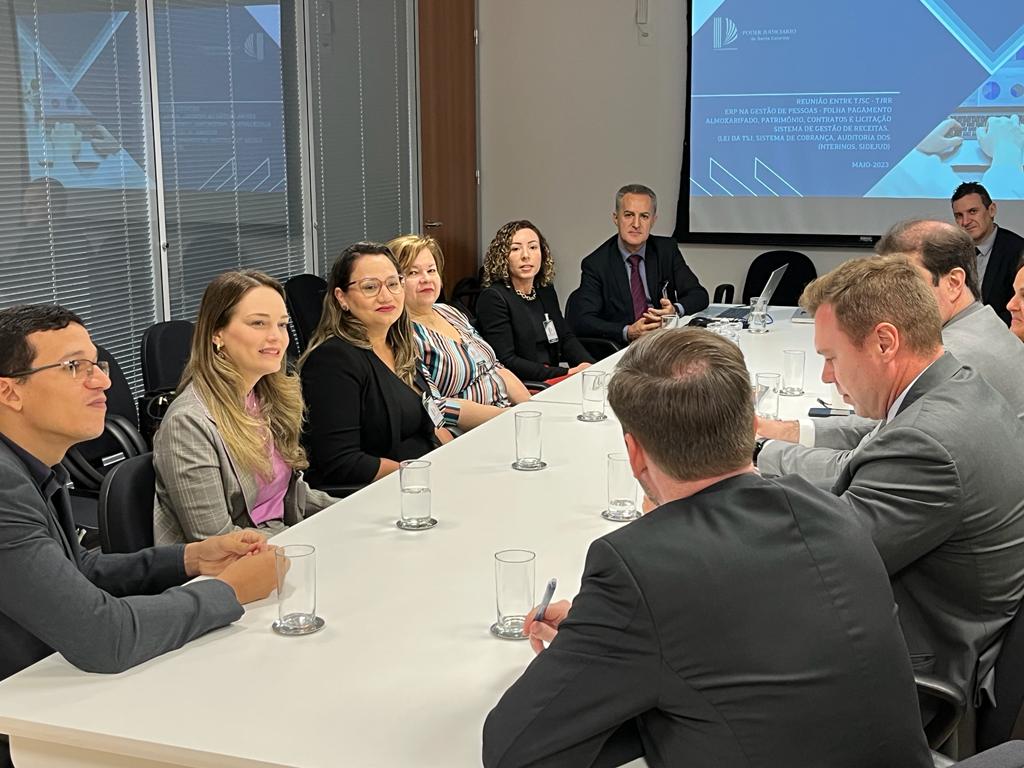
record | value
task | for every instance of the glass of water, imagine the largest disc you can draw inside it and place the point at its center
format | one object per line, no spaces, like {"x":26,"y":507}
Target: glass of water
{"x":766,"y":395}
{"x":622,"y":488}
{"x":793,"y":372}
{"x":592,"y":402}
{"x":757,"y":320}
{"x":414,"y":479}
{"x":528,"y":442}
{"x":514,"y":574}
{"x":296,"y":590}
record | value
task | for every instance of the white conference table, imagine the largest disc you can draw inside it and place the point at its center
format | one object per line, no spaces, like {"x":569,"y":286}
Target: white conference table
{"x":405,"y":671}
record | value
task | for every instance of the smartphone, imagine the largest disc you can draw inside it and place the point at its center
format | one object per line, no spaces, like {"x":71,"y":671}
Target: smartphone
{"x":828,"y":412}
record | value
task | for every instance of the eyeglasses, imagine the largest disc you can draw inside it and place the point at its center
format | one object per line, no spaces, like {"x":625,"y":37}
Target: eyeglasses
{"x":73,"y":367}
{"x":370,"y":286}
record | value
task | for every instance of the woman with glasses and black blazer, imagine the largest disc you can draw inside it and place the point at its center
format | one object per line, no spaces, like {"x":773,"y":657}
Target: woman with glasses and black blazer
{"x":368,"y":405}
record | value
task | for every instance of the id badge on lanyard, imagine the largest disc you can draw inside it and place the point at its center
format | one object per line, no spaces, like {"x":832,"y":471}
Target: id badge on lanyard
{"x":549,"y":330}
{"x":432,"y":410}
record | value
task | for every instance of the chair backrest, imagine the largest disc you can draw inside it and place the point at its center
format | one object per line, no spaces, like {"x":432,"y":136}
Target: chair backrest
{"x":1000,"y":723}
{"x":165,"y":351}
{"x":304,"y":295}
{"x":125,"y":508}
{"x":801,"y":271}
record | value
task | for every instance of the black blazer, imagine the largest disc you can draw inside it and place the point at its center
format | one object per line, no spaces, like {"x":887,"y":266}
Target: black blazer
{"x":358,"y":412}
{"x":750,"y":625}
{"x":997,"y":288}
{"x":602,"y":306}
{"x":508,"y":325}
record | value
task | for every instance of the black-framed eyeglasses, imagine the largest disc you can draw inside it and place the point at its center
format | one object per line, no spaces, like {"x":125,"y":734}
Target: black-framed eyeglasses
{"x":370,"y":286}
{"x":86,"y":367}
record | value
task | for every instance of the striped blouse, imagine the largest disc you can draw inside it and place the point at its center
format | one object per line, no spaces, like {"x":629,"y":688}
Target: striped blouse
{"x":460,"y":370}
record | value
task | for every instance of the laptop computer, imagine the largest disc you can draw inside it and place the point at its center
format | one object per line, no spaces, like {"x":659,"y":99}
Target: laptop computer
{"x":740,"y":313}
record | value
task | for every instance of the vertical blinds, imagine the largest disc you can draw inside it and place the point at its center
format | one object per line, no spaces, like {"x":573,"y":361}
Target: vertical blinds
{"x":360,"y":121}
{"x":224,"y":150}
{"x":74,"y":196}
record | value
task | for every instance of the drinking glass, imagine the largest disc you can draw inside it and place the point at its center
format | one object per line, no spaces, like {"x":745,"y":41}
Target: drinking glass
{"x":766,"y":395}
{"x":622,"y":487}
{"x":528,"y":442}
{"x":757,"y":320}
{"x":792,"y":372}
{"x":296,"y":590}
{"x":513,"y":591}
{"x":414,"y":479}
{"x":592,"y":402}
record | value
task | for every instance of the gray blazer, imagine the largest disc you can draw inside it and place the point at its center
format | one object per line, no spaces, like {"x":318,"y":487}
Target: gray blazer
{"x":104,"y":613}
{"x":940,"y":488}
{"x":200,"y":492}
{"x":976,"y":337}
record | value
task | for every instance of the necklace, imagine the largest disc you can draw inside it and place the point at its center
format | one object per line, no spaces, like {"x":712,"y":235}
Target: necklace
{"x":526,"y":296}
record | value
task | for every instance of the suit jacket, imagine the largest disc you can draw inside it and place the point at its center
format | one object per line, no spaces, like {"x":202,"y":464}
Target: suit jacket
{"x":941,"y":489}
{"x":200,"y":492}
{"x":104,"y":613}
{"x":355,"y":408}
{"x":975,"y":336}
{"x":749,"y":625}
{"x":509,"y":326}
{"x":997,"y":287}
{"x":602,"y":306}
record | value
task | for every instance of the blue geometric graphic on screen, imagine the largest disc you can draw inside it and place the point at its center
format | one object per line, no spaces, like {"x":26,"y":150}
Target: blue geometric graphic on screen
{"x":771,"y":180}
{"x":68,"y":140}
{"x":702,"y":11}
{"x":995,"y":49}
{"x":268,"y":17}
{"x":718,"y":173}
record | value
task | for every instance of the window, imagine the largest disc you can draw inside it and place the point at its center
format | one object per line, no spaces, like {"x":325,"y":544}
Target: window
{"x":74,"y":196}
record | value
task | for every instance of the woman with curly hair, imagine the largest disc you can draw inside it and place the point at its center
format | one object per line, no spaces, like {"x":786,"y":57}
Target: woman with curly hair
{"x":227,"y":454}
{"x":456,"y":360}
{"x":518,"y":310}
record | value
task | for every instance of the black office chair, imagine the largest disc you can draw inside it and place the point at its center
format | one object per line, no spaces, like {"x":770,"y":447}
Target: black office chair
{"x":599,"y":348}
{"x":801,"y":271}
{"x":1005,"y":721}
{"x":304,"y":295}
{"x":946,"y":704}
{"x":466,"y":292}
{"x":164,"y":353}
{"x":125,"y":508}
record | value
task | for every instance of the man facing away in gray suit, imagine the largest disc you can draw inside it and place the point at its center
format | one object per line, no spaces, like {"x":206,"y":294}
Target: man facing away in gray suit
{"x":938,"y":480}
{"x":742,"y":622}
{"x":944,"y":257}
{"x":104,"y":613}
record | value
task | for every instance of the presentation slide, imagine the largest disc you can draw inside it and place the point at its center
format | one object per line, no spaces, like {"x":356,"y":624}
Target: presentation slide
{"x":839,"y":118}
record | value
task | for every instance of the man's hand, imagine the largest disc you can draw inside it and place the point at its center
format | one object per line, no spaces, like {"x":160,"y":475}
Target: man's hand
{"x":577,"y":368}
{"x":252,"y":578}
{"x":544,"y":631}
{"x":211,"y":556}
{"x":645,"y":324}
{"x":667,"y":309}
{"x":1002,"y":140}
{"x":779,"y":430}
{"x":944,"y":139}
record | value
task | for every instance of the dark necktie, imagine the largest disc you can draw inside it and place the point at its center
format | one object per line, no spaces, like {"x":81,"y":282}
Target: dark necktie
{"x":636,"y":287}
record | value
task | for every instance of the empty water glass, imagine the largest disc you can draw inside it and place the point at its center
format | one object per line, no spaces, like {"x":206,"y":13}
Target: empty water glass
{"x":766,"y":395}
{"x":296,"y":590}
{"x":757,"y":320}
{"x":622,"y":490}
{"x":792,"y":372}
{"x":414,"y":479}
{"x":513,"y":591}
{"x":528,"y":442}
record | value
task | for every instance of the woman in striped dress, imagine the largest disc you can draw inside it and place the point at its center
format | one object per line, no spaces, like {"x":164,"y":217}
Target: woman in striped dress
{"x":460,"y":364}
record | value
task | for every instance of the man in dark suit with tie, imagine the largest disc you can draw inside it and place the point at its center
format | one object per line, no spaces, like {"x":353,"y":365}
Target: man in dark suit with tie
{"x":742,"y":622}
{"x":634,"y":279}
{"x":999,"y":250}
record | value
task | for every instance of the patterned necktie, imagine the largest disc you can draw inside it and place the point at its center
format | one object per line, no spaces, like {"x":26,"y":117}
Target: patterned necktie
{"x":636,"y":287}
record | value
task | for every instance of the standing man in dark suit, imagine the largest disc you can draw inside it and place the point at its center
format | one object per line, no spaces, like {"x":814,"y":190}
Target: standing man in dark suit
{"x":742,"y":622}
{"x":999,"y":250}
{"x":634,"y":279}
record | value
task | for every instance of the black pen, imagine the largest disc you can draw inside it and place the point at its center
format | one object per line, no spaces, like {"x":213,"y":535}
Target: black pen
{"x":546,"y":600}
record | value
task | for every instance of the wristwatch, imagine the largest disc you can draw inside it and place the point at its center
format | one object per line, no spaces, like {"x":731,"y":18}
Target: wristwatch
{"x":758,"y":445}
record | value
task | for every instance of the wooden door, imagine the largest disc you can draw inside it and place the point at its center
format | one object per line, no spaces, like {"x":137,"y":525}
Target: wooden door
{"x":448,"y":151}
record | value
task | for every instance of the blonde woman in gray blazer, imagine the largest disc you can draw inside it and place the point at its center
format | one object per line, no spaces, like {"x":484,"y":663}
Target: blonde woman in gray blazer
{"x":227,"y":454}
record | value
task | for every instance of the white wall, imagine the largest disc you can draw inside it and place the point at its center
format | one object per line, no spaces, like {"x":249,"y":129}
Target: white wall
{"x":572,"y":108}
